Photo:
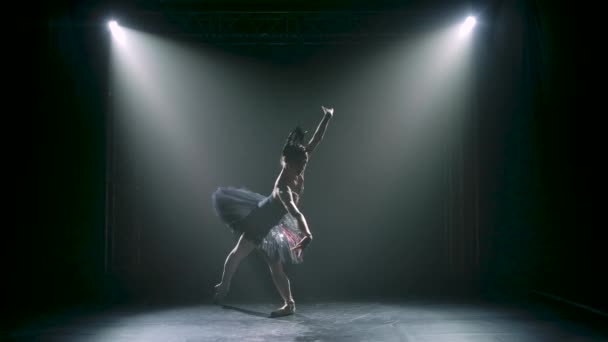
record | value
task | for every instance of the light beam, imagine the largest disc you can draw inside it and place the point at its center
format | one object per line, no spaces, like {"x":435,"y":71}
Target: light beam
{"x":467,"y":26}
{"x":117,"y":32}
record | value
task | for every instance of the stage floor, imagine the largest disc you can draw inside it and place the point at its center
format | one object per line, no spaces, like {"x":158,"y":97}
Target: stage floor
{"x":329,"y":321}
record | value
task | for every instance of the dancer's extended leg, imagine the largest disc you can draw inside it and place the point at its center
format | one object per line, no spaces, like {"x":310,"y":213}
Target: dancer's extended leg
{"x":239,"y":252}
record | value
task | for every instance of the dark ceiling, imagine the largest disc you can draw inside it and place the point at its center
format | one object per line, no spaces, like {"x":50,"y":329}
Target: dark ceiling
{"x":271,"y":5}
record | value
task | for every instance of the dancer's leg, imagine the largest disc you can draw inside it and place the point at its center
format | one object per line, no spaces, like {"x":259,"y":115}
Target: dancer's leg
{"x":281,"y":281}
{"x":239,"y":252}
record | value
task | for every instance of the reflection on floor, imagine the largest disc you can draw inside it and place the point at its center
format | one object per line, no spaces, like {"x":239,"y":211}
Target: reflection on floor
{"x":329,"y":321}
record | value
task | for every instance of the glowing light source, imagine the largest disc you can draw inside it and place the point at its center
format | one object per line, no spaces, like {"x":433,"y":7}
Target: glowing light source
{"x":117,"y":31}
{"x":467,"y":26}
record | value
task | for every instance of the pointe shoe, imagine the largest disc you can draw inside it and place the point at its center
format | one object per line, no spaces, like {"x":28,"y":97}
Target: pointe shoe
{"x":219,"y":293}
{"x":285,"y":310}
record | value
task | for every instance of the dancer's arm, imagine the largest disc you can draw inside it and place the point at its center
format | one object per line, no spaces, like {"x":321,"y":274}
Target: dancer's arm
{"x":286,"y":197}
{"x":318,"y":136}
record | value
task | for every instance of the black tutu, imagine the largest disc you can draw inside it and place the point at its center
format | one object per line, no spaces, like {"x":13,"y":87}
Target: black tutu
{"x":262,"y":219}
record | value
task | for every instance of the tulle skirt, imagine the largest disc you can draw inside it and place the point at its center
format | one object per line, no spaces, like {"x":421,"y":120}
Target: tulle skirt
{"x":275,"y":236}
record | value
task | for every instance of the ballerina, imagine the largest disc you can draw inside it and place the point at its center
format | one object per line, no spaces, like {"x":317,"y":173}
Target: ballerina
{"x":272,"y":224}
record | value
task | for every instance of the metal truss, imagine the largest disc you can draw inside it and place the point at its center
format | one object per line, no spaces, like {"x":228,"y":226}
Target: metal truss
{"x":280,"y":28}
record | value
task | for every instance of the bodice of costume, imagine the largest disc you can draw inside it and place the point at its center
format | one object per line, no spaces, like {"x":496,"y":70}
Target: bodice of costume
{"x":298,"y":189}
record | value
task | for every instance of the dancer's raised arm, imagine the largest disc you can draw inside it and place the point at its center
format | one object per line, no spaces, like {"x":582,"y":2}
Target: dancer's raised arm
{"x":318,"y":136}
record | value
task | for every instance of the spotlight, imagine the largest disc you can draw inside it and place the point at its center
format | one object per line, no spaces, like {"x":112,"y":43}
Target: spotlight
{"x":467,"y":26}
{"x":117,"y":31}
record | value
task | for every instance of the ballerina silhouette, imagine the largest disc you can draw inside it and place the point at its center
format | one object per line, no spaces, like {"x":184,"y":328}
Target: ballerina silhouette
{"x":272,"y":224}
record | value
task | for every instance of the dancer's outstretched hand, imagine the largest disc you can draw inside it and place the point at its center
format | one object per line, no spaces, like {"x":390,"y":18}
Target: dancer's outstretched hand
{"x":329,"y":111}
{"x":303,"y":243}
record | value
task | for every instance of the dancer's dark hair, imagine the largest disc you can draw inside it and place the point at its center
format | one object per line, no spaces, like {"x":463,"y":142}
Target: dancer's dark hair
{"x":294,"y":150}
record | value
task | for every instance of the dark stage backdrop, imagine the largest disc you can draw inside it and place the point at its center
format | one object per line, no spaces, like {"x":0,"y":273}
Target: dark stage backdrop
{"x":492,"y":211}
{"x":540,"y":183}
{"x":375,"y":198}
